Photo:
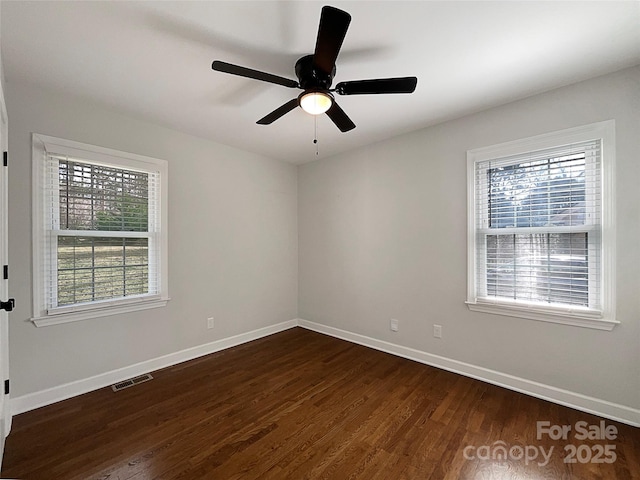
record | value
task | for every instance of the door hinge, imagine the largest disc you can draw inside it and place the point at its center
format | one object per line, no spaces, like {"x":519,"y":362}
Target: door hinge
{"x":5,"y":272}
{"x":5,"y":158}
{"x":6,"y":387}
{"x":9,"y":305}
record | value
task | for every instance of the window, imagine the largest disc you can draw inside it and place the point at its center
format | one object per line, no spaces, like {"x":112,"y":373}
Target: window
{"x":541,"y":227}
{"x":100,"y":231}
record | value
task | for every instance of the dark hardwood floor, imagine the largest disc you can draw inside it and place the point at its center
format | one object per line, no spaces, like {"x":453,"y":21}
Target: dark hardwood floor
{"x":303,"y":405}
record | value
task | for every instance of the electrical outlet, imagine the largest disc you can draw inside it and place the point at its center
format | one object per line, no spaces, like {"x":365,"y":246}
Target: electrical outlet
{"x":437,"y":331}
{"x":210,"y":323}
{"x":393,"y":325}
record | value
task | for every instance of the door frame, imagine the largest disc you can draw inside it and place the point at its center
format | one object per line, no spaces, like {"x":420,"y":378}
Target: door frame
{"x":5,"y":410}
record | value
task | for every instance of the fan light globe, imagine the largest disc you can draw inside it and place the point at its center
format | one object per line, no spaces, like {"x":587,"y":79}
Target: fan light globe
{"x":316,"y":103}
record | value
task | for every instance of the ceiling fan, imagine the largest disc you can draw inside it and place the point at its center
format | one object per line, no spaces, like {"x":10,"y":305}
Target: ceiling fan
{"x":315,"y":74}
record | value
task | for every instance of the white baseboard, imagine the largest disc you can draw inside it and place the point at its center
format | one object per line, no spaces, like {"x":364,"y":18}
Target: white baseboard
{"x":55,"y":394}
{"x":596,"y":406}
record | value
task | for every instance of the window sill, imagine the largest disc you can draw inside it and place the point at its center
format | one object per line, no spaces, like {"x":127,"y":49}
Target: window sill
{"x":569,"y":317}
{"x":58,"y":319}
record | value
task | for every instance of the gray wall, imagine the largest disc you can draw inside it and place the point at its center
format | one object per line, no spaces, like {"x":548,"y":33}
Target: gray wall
{"x":232,"y":245}
{"x":382,"y":234}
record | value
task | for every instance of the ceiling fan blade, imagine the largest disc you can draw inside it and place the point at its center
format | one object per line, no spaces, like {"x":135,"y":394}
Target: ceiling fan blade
{"x":250,"y":73}
{"x":342,"y":121}
{"x":331,"y":32}
{"x":278,"y":112}
{"x":381,"y":85}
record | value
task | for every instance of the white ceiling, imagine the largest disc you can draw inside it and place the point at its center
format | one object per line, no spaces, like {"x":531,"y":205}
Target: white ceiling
{"x":152,"y":60}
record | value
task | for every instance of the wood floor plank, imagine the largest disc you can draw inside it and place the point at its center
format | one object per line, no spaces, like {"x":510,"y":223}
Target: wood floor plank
{"x":301,"y":405}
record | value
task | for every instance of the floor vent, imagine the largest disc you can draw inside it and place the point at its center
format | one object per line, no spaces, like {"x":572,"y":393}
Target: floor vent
{"x":116,"y":387}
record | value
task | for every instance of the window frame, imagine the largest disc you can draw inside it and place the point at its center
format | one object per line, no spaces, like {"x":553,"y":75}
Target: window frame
{"x":98,"y":156}
{"x":581,"y":317}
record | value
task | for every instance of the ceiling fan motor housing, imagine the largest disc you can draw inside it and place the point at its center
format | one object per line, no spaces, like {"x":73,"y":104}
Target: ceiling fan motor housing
{"x":311,"y":77}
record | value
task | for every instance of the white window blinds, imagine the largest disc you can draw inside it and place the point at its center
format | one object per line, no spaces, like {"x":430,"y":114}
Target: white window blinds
{"x":100,"y":240}
{"x":101,"y":243}
{"x":538,"y":227}
{"x":541,"y":227}
{"x":102,"y":227}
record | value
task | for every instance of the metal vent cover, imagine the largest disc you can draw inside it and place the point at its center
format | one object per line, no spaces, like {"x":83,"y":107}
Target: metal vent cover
{"x":116,"y":387}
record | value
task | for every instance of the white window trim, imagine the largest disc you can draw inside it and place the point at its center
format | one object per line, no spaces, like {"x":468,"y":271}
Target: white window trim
{"x":96,"y":155}
{"x":605,"y":131}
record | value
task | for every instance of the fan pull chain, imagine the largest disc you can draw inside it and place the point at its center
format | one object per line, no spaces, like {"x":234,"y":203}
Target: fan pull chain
{"x":315,"y":132}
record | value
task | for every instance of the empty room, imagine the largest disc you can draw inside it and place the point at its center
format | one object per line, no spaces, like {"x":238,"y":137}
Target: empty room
{"x":306,"y":240}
